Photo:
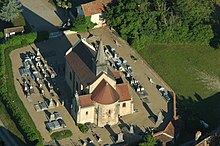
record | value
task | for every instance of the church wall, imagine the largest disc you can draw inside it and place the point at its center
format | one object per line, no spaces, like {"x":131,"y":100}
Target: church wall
{"x":86,"y":115}
{"x":107,"y":114}
{"x":103,"y":76}
{"x":68,"y":70}
{"x":73,"y":82}
{"x":126,"y":107}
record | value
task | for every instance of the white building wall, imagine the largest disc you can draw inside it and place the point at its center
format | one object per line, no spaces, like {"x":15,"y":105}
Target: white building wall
{"x":127,"y":109}
{"x":97,"y":18}
{"x":86,"y":114}
{"x":107,"y":114}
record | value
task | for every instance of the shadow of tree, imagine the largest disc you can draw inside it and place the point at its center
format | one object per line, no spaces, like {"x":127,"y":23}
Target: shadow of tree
{"x":192,"y":111}
{"x":16,"y":139}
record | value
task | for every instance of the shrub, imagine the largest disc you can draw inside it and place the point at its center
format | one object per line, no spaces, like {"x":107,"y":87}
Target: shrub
{"x":1,"y":35}
{"x":82,"y":24}
{"x":61,"y":134}
{"x":83,"y":128}
{"x":19,"y":21}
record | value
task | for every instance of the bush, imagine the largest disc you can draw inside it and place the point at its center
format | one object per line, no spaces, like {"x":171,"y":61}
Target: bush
{"x":10,"y":99}
{"x":83,"y":128}
{"x":1,"y":35}
{"x":61,"y":134}
{"x":19,"y":21}
{"x":82,"y":24}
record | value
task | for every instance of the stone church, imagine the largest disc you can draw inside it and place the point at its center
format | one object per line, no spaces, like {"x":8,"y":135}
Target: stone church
{"x":98,"y":98}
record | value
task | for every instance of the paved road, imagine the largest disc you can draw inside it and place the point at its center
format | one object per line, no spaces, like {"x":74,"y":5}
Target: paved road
{"x":6,"y":137}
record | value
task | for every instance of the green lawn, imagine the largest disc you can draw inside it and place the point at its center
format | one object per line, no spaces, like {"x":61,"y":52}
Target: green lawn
{"x":181,"y":67}
{"x":193,"y":72}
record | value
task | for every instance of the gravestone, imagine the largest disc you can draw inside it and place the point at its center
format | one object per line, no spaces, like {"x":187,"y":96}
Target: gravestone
{"x":38,"y":52}
{"x":51,"y":104}
{"x":62,"y":103}
{"x":131,"y":131}
{"x":58,"y":103}
{"x":120,"y":138}
{"x":52,"y":117}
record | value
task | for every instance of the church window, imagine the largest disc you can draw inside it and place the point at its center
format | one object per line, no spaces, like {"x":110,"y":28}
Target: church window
{"x":124,"y":105}
{"x":109,"y":112}
{"x":87,"y":112}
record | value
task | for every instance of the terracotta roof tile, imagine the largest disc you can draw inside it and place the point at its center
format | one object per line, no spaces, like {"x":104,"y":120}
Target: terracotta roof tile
{"x":166,"y":135}
{"x":95,"y":7}
{"x":85,"y":100}
{"x":170,"y":129}
{"x":123,"y":91}
{"x":85,"y":75}
{"x":104,"y":93}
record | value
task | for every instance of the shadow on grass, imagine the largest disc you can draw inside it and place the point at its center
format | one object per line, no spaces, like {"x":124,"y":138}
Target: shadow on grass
{"x":6,"y":140}
{"x":192,"y":111}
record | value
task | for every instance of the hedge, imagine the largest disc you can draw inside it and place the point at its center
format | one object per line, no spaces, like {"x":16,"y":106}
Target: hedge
{"x":7,"y":89}
{"x":61,"y":134}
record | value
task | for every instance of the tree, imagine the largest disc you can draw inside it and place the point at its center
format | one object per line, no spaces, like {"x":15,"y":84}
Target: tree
{"x":162,"y":21}
{"x":65,"y":4}
{"x":148,"y":141}
{"x":10,"y":10}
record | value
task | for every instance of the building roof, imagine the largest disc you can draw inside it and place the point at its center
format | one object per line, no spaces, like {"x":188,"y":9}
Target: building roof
{"x":166,"y":135}
{"x":104,"y":93}
{"x":85,"y":75}
{"x":85,"y":100}
{"x":123,"y":91}
{"x":101,"y":64}
{"x":94,"y":7}
{"x":81,"y":59}
{"x":14,"y":29}
{"x":86,"y":54}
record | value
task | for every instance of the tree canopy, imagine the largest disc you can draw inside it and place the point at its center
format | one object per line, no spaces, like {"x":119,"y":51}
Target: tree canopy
{"x":148,"y":141}
{"x":10,"y":10}
{"x":162,"y":21}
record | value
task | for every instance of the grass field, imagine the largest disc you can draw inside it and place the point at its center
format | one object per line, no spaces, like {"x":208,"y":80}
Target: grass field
{"x":193,"y":72}
{"x":182,"y":67}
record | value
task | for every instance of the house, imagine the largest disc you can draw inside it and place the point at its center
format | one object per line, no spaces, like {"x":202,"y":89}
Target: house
{"x":97,"y":97}
{"x":10,"y":32}
{"x":165,"y":135}
{"x":94,"y":9}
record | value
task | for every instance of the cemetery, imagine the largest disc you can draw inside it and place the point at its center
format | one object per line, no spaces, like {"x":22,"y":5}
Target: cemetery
{"x":48,"y":100}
